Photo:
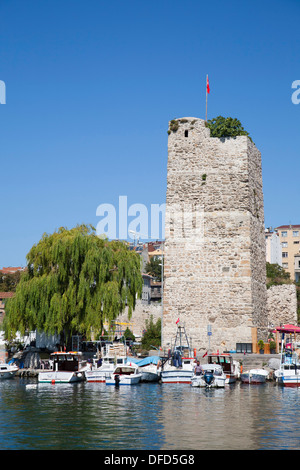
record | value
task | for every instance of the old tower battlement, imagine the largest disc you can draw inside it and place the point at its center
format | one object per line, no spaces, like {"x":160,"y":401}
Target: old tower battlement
{"x":214,"y":263}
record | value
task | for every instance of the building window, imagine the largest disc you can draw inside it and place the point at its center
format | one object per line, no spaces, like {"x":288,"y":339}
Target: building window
{"x":295,"y":233}
{"x":284,"y":254}
{"x":284,"y":244}
{"x":186,"y":133}
{"x":296,"y":243}
{"x":284,"y":234}
{"x":285,"y":265}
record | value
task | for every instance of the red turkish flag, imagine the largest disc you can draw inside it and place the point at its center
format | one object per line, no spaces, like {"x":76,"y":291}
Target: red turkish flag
{"x":207,"y":85}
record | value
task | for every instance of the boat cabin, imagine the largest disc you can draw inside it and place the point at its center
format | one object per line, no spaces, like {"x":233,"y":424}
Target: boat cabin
{"x":124,"y":370}
{"x":66,"y":361}
{"x":224,"y":360}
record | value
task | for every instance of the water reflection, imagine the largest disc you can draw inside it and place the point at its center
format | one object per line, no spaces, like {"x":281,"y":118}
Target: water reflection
{"x":147,"y":416}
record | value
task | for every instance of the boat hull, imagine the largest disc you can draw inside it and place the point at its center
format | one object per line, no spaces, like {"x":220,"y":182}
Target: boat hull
{"x":199,"y":381}
{"x":150,"y":376}
{"x":289,"y":380}
{"x":132,"y":379}
{"x":248,"y":378}
{"x":176,"y":376}
{"x":97,"y":375}
{"x":230,"y":379}
{"x":10,"y":374}
{"x":60,"y":377}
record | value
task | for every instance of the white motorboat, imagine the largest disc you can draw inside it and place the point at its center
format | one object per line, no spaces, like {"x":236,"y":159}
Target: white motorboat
{"x":68,"y":367}
{"x":113,"y":355}
{"x":127,"y":374}
{"x":98,"y":374}
{"x":230,"y":367}
{"x":7,"y":371}
{"x":179,"y":367}
{"x":150,"y":368}
{"x":254,"y":376}
{"x":212,"y":375}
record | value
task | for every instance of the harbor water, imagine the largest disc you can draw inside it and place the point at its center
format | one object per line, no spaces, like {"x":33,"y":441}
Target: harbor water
{"x":90,"y":416}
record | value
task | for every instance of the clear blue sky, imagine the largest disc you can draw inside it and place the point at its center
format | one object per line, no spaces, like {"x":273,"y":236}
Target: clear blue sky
{"x":91,"y":86}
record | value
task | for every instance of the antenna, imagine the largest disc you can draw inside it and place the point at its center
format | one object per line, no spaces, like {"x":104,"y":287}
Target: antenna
{"x":137,"y":235}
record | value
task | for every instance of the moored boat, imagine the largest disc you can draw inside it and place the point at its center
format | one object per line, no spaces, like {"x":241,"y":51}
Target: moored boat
{"x":288,"y":374}
{"x":8,"y":371}
{"x":127,"y":374}
{"x":112,"y":355}
{"x":254,"y":376}
{"x":150,"y":368}
{"x":68,"y":367}
{"x":179,"y":367}
{"x":212,"y":375}
{"x":230,"y":367}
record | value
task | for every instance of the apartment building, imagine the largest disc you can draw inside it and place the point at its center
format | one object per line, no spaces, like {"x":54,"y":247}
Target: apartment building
{"x":289,"y":236}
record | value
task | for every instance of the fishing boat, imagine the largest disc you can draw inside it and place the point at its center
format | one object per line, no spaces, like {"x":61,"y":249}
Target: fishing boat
{"x":127,"y":374}
{"x":68,"y":367}
{"x":230,"y":367}
{"x":288,"y":374}
{"x":113,"y":355}
{"x":8,"y":371}
{"x":179,"y":366}
{"x":254,"y":376}
{"x":212,"y":375}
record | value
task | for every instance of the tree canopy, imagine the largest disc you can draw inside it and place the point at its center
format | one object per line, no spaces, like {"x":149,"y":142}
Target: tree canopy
{"x":9,"y":281}
{"x":75,"y":281}
{"x":154,"y":268}
{"x":152,"y":335}
{"x":226,"y":127}
{"x":276,"y":275}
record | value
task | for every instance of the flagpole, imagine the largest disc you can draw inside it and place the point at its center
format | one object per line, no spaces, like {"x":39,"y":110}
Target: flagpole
{"x":206,"y":99}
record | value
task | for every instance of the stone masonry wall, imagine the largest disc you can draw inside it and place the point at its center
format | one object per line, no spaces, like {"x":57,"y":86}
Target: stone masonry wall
{"x":214,"y":238}
{"x":142,"y":312}
{"x":282,"y":305}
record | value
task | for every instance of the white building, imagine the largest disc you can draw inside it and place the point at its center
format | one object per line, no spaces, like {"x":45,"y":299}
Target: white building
{"x":273,"y":247}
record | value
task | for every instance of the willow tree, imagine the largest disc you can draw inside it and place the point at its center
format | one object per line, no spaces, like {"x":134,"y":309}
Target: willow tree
{"x":74,"y":282}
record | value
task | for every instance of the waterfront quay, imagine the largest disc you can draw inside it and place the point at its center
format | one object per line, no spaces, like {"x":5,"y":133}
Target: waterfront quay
{"x":247,"y":361}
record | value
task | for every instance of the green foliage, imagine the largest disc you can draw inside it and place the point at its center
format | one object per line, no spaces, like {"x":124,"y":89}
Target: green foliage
{"x":276,"y":275}
{"x":261,"y":344}
{"x":152,"y":336}
{"x":226,"y":127}
{"x":128,"y":334}
{"x":154,"y":268}
{"x":9,"y":282}
{"x":173,"y":126}
{"x":74,"y":283}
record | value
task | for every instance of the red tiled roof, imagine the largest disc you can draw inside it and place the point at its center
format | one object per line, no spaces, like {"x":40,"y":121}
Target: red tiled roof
{"x":287,"y":226}
{"x":11,"y":270}
{"x":6,"y":295}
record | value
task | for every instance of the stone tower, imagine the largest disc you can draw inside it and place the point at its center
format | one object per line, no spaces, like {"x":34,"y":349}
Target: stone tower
{"x":214,"y":238}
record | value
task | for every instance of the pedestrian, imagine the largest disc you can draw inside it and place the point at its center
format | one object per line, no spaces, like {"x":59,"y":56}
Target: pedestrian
{"x":198,"y":368}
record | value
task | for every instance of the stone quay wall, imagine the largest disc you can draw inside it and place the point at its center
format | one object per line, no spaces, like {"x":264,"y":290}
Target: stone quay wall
{"x":214,"y":264}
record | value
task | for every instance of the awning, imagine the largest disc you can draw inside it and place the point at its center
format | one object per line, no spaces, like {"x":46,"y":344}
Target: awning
{"x":288,"y":329}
